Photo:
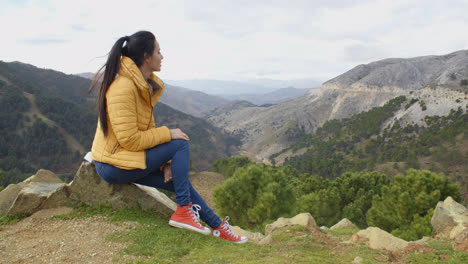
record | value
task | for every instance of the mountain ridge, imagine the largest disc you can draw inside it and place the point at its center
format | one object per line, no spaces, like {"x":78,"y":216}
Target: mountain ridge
{"x":271,"y":129}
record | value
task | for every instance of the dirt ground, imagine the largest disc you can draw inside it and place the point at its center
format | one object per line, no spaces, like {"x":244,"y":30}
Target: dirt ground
{"x":37,"y":239}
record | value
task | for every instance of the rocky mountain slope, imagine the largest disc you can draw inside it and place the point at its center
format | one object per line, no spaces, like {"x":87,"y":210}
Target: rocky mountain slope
{"x":434,"y":80}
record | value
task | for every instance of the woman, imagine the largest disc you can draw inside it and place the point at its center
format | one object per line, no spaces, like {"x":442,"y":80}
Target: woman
{"x":128,"y":148}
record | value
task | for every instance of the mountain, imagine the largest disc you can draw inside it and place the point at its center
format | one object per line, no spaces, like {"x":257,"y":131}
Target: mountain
{"x":48,"y":121}
{"x":218,"y":87}
{"x":188,"y":101}
{"x":435,"y":81}
{"x":274,"y":97}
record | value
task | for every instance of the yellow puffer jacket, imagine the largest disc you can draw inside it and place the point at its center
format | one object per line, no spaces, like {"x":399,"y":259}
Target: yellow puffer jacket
{"x":130,"y":122}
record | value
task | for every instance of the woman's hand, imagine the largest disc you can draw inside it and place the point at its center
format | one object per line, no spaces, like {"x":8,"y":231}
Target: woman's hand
{"x":167,"y":173}
{"x":178,"y":134}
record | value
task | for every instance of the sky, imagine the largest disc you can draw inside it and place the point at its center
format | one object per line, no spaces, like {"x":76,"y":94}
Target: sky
{"x":234,"y":40}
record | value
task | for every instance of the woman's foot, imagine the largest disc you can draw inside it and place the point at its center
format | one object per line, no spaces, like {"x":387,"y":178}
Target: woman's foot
{"x":187,"y":217}
{"x":224,"y":231}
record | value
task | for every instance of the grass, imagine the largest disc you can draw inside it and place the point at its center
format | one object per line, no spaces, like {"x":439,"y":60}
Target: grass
{"x":9,"y":220}
{"x":152,"y":240}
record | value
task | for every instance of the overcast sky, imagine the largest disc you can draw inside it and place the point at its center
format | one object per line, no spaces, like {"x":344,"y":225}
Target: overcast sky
{"x":232,"y":40}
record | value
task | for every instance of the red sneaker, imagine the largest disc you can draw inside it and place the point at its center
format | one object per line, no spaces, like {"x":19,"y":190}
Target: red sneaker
{"x":187,"y":217}
{"x":224,"y":231}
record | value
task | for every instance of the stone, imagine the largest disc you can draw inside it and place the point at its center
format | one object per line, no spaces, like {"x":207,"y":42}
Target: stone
{"x":380,"y":239}
{"x":266,"y":240}
{"x":44,"y":176}
{"x":304,"y":219}
{"x":449,"y":219}
{"x":89,"y":188}
{"x":461,"y":241}
{"x":343,"y":223}
{"x":32,"y":196}
{"x":8,"y":196}
{"x":253,"y":237}
{"x":324,"y":228}
{"x":45,"y":190}
{"x":357,"y":260}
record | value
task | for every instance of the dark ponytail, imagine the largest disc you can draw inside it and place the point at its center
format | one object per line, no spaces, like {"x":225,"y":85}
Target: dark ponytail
{"x":138,"y":47}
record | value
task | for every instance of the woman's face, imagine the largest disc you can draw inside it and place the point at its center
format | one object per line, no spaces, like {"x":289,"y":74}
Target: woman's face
{"x":154,"y":62}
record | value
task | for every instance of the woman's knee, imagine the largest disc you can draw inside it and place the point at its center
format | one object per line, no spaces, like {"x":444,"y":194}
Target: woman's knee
{"x":181,"y":144}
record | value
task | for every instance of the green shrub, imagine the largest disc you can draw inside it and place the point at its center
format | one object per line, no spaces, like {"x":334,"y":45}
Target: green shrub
{"x":405,"y":206}
{"x":254,"y":195}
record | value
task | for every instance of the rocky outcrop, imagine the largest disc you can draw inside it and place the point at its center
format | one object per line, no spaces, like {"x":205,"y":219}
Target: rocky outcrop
{"x":304,"y":219}
{"x":344,"y":223}
{"x":450,"y":219}
{"x":380,"y":239}
{"x":89,"y":188}
{"x":45,"y":190}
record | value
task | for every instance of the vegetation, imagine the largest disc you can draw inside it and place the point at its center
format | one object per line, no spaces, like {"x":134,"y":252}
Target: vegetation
{"x":254,"y":195}
{"x":152,"y":240}
{"x":360,"y":144}
{"x":405,"y":207}
{"x":257,"y":194}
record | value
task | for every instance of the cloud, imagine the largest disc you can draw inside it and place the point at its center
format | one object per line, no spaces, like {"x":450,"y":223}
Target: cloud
{"x":234,"y":39}
{"x":44,"y":41}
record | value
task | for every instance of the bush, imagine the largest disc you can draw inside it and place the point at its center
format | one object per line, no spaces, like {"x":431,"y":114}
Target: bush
{"x":349,"y":195}
{"x":404,"y":208}
{"x":254,"y":195}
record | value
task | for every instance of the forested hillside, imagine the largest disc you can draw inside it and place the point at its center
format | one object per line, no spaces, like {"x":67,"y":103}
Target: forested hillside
{"x":360,"y":143}
{"x":48,"y":121}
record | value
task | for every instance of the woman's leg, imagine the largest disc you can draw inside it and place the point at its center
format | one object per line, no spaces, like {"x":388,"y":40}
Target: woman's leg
{"x":177,"y":151}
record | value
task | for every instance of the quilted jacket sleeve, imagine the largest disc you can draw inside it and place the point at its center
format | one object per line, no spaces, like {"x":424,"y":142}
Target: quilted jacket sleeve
{"x":122,"y":110}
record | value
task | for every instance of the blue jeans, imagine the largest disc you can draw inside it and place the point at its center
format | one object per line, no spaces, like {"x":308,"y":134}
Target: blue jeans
{"x":176,"y":150}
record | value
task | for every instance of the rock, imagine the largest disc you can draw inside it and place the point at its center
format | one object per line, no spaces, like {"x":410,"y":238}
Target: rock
{"x":44,"y":176}
{"x":380,"y":239}
{"x":8,"y":196}
{"x":357,"y":260}
{"x":45,"y":190}
{"x":304,"y":219}
{"x":266,"y":240}
{"x":343,"y":223}
{"x":324,"y":228}
{"x":48,"y":213}
{"x":461,"y":241}
{"x":253,"y":237}
{"x":32,"y":196}
{"x":90,"y":189}
{"x":450,"y":218}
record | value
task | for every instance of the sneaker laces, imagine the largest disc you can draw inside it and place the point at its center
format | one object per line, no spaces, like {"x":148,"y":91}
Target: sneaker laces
{"x":194,"y":212}
{"x":228,"y":228}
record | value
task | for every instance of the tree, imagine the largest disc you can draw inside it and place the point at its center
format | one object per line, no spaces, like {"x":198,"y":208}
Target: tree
{"x":407,"y":203}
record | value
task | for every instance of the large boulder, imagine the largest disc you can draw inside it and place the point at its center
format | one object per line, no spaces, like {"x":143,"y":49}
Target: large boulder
{"x":89,"y":188}
{"x":304,"y":219}
{"x":33,"y":197}
{"x":380,"y":239}
{"x":345,"y":222}
{"x":45,"y":190}
{"x":450,"y":219}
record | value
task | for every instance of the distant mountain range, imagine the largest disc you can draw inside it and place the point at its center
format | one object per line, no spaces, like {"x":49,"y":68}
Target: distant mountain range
{"x":197,"y":103}
{"x":256,"y":86}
